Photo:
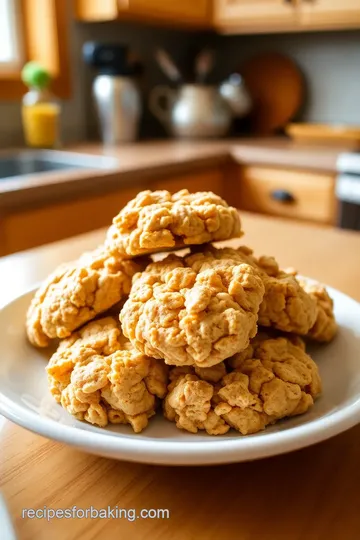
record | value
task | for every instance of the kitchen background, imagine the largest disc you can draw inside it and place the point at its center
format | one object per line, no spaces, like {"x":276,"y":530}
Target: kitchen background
{"x":330,"y":62}
{"x":312,"y":180}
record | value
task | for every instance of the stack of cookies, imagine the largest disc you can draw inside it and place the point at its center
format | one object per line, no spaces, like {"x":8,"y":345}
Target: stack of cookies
{"x":215,"y":335}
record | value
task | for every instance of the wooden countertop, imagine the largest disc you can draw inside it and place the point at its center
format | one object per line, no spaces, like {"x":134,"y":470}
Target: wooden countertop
{"x":136,"y":161}
{"x":312,"y":493}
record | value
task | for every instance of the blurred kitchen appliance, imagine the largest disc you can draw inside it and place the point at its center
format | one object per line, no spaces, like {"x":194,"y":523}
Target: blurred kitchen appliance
{"x":192,"y":110}
{"x":115,"y":91}
{"x":348,"y":191}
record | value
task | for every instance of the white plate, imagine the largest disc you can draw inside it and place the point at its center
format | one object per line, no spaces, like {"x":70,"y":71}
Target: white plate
{"x":25,"y":399}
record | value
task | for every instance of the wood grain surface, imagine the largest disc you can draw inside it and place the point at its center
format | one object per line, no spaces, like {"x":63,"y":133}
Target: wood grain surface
{"x":311,"y":494}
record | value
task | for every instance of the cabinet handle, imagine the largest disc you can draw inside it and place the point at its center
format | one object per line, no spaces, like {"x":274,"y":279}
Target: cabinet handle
{"x":282,"y":195}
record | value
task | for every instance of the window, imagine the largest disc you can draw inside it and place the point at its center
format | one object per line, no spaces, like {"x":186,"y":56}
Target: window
{"x":10,"y":36}
{"x":34,"y":30}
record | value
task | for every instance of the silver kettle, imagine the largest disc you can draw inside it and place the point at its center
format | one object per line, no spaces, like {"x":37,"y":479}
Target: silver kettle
{"x":118,"y":104}
{"x":192,"y":110}
{"x":115,"y":91}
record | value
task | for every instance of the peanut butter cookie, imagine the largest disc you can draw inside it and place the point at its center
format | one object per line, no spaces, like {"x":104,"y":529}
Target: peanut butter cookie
{"x":97,"y":376}
{"x":286,"y":305}
{"x":76,"y":293}
{"x":270,"y":380}
{"x":193,"y":312}
{"x":158,"y":221}
{"x":325,"y":327}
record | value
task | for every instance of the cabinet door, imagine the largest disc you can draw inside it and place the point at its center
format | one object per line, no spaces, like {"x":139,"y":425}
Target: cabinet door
{"x":174,"y":11}
{"x":255,"y":15}
{"x":329,"y":14}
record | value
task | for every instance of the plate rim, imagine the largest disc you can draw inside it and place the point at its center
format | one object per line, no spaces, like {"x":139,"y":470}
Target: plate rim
{"x":167,"y":452}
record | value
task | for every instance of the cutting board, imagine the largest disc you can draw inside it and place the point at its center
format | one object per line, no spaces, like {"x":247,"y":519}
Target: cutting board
{"x":277,"y":87}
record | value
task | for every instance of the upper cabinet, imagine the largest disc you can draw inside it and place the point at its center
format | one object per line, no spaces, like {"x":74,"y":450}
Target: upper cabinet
{"x":186,"y":11}
{"x":242,"y":16}
{"x":175,"y":12}
{"x":329,"y":14}
{"x":228,"y":16}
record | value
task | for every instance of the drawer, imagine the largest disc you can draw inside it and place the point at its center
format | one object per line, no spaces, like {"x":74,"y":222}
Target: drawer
{"x":289,"y":193}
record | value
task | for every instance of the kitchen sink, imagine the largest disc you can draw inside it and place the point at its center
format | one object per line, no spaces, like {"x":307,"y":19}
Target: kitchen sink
{"x":29,"y":162}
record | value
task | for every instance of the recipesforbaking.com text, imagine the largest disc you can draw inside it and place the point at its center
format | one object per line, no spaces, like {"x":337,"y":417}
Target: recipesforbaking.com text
{"x":75,"y":512}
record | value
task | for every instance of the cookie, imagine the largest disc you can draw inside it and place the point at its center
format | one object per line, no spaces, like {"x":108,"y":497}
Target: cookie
{"x":76,"y":293}
{"x":286,"y":305}
{"x":192,"y":312}
{"x":272,"y":379}
{"x":158,"y":221}
{"x":98,"y":377}
{"x":325,"y":327}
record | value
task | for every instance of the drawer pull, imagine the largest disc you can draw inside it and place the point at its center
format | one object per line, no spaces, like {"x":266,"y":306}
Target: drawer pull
{"x":282,"y":195}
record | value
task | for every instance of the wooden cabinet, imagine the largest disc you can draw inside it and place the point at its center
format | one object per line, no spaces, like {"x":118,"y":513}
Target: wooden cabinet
{"x":54,"y":221}
{"x":327,"y":14}
{"x":289,"y":193}
{"x":228,"y":16}
{"x":241,"y":16}
{"x":252,"y":16}
{"x":175,"y":12}
{"x":186,"y":11}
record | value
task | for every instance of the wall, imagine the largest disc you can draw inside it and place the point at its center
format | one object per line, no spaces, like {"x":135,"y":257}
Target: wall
{"x":330,"y":63}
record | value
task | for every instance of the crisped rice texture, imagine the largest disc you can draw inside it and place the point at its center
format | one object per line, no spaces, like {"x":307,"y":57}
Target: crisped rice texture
{"x":76,"y":293}
{"x":157,"y":221}
{"x":270,"y":380}
{"x":97,"y":376}
{"x":286,"y":305}
{"x":325,"y":327}
{"x":192,"y":313}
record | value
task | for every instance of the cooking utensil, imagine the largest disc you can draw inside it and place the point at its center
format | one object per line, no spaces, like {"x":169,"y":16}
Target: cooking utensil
{"x":235,"y":93}
{"x":168,"y":66}
{"x":115,"y":91}
{"x":277,"y":89}
{"x":204,"y":62}
{"x":329,"y":134}
{"x":193,"y":110}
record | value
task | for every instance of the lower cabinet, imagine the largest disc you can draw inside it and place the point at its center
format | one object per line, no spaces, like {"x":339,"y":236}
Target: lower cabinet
{"x":55,"y":221}
{"x":294,"y":194}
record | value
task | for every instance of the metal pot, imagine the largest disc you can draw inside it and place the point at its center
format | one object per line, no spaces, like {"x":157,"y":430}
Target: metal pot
{"x":192,"y":110}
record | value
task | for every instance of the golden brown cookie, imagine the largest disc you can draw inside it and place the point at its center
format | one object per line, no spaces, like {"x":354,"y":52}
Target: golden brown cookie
{"x":97,"y":376}
{"x":325,"y":327}
{"x":76,"y":293}
{"x":270,"y":380}
{"x":192,"y":313}
{"x":157,"y":221}
{"x":286,"y":305}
